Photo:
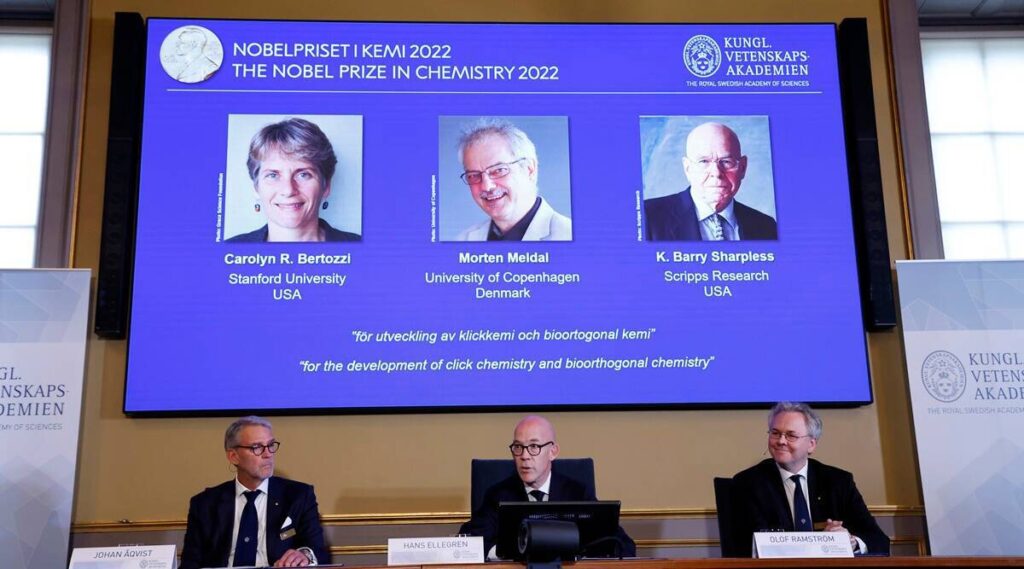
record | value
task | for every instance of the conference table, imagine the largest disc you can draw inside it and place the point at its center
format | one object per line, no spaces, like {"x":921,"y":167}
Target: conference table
{"x":718,"y":563}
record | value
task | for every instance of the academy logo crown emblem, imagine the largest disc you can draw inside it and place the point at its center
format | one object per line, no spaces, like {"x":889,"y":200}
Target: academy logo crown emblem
{"x":943,"y":376}
{"x":702,"y":56}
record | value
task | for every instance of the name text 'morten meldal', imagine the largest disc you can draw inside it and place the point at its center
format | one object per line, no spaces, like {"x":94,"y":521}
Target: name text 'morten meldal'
{"x":509,"y":257}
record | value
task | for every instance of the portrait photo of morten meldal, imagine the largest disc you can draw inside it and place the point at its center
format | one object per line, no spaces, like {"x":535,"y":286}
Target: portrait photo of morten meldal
{"x":707,"y":179}
{"x":504,"y":179}
{"x":293,"y":179}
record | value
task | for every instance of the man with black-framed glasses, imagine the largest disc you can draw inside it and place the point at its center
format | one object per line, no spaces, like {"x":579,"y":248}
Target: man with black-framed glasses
{"x":534,"y":447}
{"x":792,"y":492}
{"x":258,"y":519}
{"x":501,"y":168}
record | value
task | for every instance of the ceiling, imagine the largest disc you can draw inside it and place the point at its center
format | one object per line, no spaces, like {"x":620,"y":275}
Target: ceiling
{"x":27,"y":9}
{"x":970,"y":12}
{"x":931,"y":12}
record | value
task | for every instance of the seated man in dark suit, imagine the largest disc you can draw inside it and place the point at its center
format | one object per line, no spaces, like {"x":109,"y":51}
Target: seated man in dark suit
{"x":257,"y":519}
{"x":706,"y":211}
{"x":533,"y":449}
{"x":774,"y":494}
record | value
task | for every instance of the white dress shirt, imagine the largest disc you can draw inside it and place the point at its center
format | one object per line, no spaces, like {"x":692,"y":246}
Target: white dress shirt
{"x":704,"y":212}
{"x":545,"y":488}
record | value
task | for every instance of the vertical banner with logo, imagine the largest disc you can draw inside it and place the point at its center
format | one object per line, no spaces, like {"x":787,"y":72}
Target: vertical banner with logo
{"x":963,"y":326}
{"x":43,"y":317}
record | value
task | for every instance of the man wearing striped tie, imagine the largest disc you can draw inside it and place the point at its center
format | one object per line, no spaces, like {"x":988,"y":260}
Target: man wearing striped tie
{"x":791,"y":492}
{"x":714,"y":165}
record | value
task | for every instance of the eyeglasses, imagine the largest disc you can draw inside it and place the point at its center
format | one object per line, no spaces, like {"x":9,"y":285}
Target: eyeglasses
{"x":257,"y":449}
{"x":494,"y":172}
{"x":532,"y":448}
{"x":725,"y":164}
{"x":790,"y":437}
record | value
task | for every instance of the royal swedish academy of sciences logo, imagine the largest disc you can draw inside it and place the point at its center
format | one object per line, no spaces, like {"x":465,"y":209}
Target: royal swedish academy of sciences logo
{"x":702,"y":56}
{"x":944,"y":376}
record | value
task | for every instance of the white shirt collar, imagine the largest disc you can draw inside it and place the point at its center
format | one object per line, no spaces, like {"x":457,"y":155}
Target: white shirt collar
{"x":704,"y":210}
{"x":545,"y":487}
{"x":240,"y":488}
{"x":785,"y":474}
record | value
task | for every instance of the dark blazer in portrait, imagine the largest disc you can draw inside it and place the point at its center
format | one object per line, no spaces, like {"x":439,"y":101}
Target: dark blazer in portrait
{"x":211,"y":519}
{"x":484,"y":521}
{"x":674,"y":218}
{"x":761,"y":503}
{"x":260,"y":235}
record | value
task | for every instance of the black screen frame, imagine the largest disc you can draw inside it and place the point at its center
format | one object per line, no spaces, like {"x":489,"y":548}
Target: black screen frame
{"x":855,"y":221}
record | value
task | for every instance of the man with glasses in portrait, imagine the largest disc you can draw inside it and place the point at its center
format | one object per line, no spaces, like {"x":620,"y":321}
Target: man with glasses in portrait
{"x":500,"y":167}
{"x":533,"y":449}
{"x":257,"y":519}
{"x":708,"y":211}
{"x":791,"y":492}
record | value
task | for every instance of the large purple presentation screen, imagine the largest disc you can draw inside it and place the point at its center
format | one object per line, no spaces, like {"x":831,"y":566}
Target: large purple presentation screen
{"x":397,"y":216}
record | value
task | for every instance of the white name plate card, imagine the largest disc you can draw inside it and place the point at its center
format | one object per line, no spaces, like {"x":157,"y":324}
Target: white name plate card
{"x":125,"y":557}
{"x":809,"y":544}
{"x":435,"y":550}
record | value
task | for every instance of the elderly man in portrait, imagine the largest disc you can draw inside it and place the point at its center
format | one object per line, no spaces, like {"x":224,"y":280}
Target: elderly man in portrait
{"x":708,"y":211}
{"x":257,"y":519}
{"x":533,"y":449}
{"x":501,"y":167}
{"x":791,"y":492}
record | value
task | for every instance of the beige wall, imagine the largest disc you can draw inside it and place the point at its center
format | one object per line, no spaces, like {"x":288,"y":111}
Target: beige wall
{"x":145,"y":469}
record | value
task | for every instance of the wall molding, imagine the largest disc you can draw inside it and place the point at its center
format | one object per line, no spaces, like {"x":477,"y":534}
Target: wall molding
{"x":918,"y":541}
{"x":420,"y":518}
{"x":340,"y":550}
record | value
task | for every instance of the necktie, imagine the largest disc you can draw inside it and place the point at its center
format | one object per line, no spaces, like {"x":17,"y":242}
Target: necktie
{"x":248,"y":527}
{"x":724,"y":229}
{"x":801,"y":516}
{"x":538,"y":496}
{"x":715,"y":224}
